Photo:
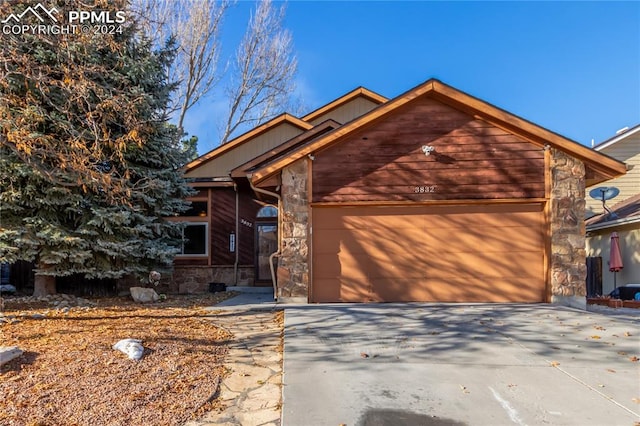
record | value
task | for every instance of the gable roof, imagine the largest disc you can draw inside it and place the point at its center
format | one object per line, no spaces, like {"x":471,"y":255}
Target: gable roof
{"x":358,"y":92}
{"x":284,"y":148}
{"x":617,"y":138}
{"x":626,"y":212}
{"x":599,"y":166}
{"x":246,"y":137}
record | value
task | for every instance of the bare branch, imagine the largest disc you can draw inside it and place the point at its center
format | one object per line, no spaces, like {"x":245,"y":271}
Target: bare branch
{"x":263,"y":71}
{"x":195,"y":25}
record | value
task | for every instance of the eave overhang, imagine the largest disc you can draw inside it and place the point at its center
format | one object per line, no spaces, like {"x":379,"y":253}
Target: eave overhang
{"x":246,"y":137}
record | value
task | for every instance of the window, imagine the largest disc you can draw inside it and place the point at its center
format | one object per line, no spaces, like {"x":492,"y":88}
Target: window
{"x":267,"y":212}
{"x":195,"y":239}
{"x":198,"y":208}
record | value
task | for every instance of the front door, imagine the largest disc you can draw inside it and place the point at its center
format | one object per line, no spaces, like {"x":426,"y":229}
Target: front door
{"x":267,"y":244}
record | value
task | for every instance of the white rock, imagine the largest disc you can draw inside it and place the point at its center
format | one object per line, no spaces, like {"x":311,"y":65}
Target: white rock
{"x":144,"y":295}
{"x":7,"y":353}
{"x":130,"y":347}
{"x":7,"y":288}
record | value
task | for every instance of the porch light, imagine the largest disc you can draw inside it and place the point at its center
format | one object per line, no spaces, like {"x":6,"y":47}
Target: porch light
{"x":428,"y":149}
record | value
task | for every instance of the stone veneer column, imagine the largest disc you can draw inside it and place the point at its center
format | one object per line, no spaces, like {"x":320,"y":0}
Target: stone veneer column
{"x":567,"y":210}
{"x":293,"y":264}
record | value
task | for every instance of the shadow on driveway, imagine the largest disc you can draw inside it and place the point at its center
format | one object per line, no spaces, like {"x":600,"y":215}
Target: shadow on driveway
{"x":462,"y":364}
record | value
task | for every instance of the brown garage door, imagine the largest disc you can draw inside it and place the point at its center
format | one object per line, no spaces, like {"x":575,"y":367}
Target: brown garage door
{"x":462,"y":253}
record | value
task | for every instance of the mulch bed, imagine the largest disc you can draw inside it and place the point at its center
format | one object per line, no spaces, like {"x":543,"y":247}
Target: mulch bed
{"x":70,"y":375}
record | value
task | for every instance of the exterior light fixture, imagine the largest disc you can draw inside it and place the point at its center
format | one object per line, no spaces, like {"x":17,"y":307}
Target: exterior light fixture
{"x":428,"y":149}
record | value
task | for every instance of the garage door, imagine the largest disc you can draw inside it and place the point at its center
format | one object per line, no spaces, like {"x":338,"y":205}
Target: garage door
{"x":462,"y":253}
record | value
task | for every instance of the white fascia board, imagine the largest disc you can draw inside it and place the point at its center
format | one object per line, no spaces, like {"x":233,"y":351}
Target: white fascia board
{"x":613,"y":223}
{"x":617,"y":138}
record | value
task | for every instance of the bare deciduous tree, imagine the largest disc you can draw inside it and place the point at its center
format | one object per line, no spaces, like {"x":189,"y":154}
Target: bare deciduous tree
{"x":263,"y":72}
{"x":195,"y":25}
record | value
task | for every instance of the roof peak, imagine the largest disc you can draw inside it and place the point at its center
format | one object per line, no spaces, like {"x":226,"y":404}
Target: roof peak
{"x":341,"y":100}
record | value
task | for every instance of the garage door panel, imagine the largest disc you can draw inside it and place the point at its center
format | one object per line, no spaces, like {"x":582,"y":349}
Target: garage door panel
{"x":330,"y":266}
{"x":446,"y":264}
{"x":442,"y":217}
{"x":427,"y":249}
{"x":364,"y":242}
{"x":457,"y":290}
{"x":426,"y":253}
{"x":349,"y":290}
{"x":487,"y":264}
{"x":430,"y":242}
{"x":519,"y":238}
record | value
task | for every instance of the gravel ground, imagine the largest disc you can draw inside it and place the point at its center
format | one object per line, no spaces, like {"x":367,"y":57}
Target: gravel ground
{"x":70,"y":375}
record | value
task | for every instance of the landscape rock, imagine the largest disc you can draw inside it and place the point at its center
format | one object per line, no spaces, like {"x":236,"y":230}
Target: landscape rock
{"x":130,"y":347}
{"x":7,"y":353}
{"x":144,"y":295}
{"x":7,"y":288}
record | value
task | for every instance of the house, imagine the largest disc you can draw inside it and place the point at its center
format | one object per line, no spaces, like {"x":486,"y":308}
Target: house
{"x":232,"y":228}
{"x":624,"y":216}
{"x":625,"y":147}
{"x":434,"y":195}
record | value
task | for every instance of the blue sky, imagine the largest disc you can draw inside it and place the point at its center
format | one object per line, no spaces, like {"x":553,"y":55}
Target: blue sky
{"x":571,"y":67}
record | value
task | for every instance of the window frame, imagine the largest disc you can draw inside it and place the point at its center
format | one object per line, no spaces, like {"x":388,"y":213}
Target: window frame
{"x":181,"y":254}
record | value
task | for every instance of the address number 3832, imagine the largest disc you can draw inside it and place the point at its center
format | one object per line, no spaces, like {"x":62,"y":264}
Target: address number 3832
{"x":424,"y":189}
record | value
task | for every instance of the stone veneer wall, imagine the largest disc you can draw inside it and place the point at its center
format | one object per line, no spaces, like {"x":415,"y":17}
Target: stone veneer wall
{"x":293,"y":264}
{"x":194,"y":279}
{"x":568,"y":254}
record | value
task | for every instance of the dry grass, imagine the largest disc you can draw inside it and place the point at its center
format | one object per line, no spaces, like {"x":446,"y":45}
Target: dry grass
{"x":70,"y":375}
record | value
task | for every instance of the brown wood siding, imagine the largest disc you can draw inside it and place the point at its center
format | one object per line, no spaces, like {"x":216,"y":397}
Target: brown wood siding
{"x":247,"y":228}
{"x":223,"y":223}
{"x":385,"y":161}
{"x":452,"y":253}
{"x":223,"y":219}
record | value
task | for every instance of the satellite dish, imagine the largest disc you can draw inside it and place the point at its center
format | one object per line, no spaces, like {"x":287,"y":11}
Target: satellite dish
{"x":604,"y":193}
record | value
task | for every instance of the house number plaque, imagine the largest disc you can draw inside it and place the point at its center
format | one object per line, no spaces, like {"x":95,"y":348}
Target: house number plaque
{"x":425,"y":189}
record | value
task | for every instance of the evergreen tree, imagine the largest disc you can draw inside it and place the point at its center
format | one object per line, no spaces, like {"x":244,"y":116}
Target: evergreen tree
{"x":89,"y":166}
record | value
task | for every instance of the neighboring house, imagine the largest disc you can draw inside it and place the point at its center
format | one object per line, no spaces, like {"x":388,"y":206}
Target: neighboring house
{"x":625,"y":147}
{"x":626,"y":224}
{"x":431,"y":196}
{"x":625,"y":209}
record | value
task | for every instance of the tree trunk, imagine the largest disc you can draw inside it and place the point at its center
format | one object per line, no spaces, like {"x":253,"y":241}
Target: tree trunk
{"x":44,"y":285}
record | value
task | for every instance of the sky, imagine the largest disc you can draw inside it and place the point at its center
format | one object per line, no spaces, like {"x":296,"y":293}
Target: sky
{"x":570,"y":67}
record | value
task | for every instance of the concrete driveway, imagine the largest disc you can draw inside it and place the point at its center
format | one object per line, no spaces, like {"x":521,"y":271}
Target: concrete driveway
{"x":435,"y":364}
